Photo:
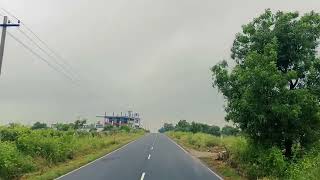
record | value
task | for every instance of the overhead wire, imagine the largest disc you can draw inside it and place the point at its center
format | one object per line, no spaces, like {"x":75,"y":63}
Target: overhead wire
{"x":40,"y":57}
{"x":64,"y":62}
{"x":48,"y":54}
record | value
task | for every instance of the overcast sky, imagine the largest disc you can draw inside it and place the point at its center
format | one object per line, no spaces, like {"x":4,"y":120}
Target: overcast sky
{"x":150,"y":56}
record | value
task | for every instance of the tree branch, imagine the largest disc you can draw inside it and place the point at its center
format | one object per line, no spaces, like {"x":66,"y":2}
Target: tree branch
{"x":293,"y":85}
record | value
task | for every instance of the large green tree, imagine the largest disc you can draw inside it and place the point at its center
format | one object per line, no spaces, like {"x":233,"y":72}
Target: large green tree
{"x":182,"y":125}
{"x":273,"y":91}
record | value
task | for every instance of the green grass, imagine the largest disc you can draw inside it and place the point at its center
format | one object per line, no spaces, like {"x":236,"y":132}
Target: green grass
{"x":251,"y":161}
{"x":227,"y":172}
{"x":204,"y":142}
{"x":306,"y":168}
{"x":92,"y":154}
{"x":48,"y":153}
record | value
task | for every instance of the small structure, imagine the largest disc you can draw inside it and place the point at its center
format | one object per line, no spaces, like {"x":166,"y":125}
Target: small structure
{"x":130,"y":119}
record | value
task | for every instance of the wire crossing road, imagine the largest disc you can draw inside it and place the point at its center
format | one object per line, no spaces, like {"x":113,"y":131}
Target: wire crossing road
{"x":152,"y":157}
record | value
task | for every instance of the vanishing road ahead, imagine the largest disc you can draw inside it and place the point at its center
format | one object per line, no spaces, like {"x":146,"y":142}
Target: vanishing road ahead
{"x":152,"y":157}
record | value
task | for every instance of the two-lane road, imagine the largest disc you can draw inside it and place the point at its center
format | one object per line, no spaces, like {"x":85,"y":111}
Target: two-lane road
{"x":152,"y":157}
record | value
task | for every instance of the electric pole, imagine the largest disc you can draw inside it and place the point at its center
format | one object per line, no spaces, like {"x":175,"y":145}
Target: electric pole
{"x":4,"y":26}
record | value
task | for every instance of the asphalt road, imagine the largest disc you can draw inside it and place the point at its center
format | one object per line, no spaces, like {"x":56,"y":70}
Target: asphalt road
{"x":152,"y":157}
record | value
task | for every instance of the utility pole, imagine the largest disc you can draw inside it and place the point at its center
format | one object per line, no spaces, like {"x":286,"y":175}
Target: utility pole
{"x":4,"y":26}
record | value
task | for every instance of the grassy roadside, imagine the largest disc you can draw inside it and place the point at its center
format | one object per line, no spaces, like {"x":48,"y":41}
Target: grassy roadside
{"x":207,"y":149}
{"x":54,"y":171}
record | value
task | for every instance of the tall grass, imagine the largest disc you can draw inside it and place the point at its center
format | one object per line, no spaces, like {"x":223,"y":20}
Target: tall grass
{"x":253,"y":160}
{"x":23,"y":150}
{"x":307,"y":167}
{"x":202,"y":141}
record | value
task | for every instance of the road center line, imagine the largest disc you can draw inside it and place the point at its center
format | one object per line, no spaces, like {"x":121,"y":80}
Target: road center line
{"x":149,"y":156}
{"x":142,"y":176}
{"x":155,"y":140}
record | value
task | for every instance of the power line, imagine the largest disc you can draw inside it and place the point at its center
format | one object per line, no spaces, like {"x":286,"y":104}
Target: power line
{"x":9,"y":13}
{"x":47,"y":46}
{"x":48,"y":54}
{"x":44,"y":43}
{"x":40,"y":57}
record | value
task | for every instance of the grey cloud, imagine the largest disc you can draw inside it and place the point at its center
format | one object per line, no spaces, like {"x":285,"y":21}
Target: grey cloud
{"x":146,"y":55}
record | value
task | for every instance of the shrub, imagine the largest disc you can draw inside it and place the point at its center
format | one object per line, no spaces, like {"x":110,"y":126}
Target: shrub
{"x":12,"y":163}
{"x":12,"y":133}
{"x":53,"y":147}
{"x":125,"y":128}
{"x":307,"y":167}
{"x":258,"y":161}
{"x":197,"y":140}
{"x":201,"y":140}
{"x":21,"y":147}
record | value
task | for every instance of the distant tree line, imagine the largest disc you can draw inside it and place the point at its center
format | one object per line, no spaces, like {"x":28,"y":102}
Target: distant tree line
{"x":78,"y":124}
{"x":195,"y":127}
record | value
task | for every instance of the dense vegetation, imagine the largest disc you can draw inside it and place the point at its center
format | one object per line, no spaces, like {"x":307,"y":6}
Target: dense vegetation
{"x":273,"y":94}
{"x":195,"y":127}
{"x":243,"y":158}
{"x":25,"y":150}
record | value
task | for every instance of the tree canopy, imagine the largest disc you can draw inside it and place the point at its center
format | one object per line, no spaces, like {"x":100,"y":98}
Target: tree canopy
{"x":273,"y":92}
{"x":182,"y":125}
{"x":78,"y":124}
{"x":39,"y":125}
{"x":193,"y":127}
{"x":230,"y":131}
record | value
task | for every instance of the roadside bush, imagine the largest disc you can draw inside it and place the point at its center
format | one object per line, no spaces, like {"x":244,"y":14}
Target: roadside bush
{"x":197,"y":140}
{"x":201,"y":140}
{"x":251,"y":160}
{"x":12,"y":133}
{"x":12,"y":163}
{"x":80,"y":133}
{"x":125,"y":128}
{"x":235,"y":146}
{"x":23,"y":150}
{"x":258,"y":161}
{"x":307,"y":167}
{"x":53,"y":147}
{"x":108,"y":127}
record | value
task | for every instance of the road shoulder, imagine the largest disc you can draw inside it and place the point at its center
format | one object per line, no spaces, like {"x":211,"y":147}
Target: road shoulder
{"x":195,"y":155}
{"x":208,"y":159}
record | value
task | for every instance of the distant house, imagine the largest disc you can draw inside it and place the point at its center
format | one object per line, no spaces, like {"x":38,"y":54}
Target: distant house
{"x":130,"y":119}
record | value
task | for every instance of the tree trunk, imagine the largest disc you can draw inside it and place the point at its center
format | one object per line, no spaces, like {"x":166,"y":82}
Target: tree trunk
{"x":293,"y":85}
{"x":288,"y":148}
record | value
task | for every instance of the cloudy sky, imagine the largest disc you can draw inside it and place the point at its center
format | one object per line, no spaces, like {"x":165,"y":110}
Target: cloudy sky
{"x":150,"y":56}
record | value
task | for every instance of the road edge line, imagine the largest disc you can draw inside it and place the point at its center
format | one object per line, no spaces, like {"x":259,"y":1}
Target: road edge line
{"x":195,"y":158}
{"x":142,"y":176}
{"x":99,"y":158}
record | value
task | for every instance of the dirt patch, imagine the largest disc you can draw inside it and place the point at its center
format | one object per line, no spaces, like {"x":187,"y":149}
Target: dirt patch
{"x":210,"y":158}
{"x":199,"y":154}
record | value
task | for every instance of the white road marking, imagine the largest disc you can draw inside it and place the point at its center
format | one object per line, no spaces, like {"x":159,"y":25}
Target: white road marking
{"x":142,"y":176}
{"x":149,"y":156}
{"x":99,"y":158}
{"x":151,"y":148}
{"x":155,"y":140}
{"x":195,"y":158}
